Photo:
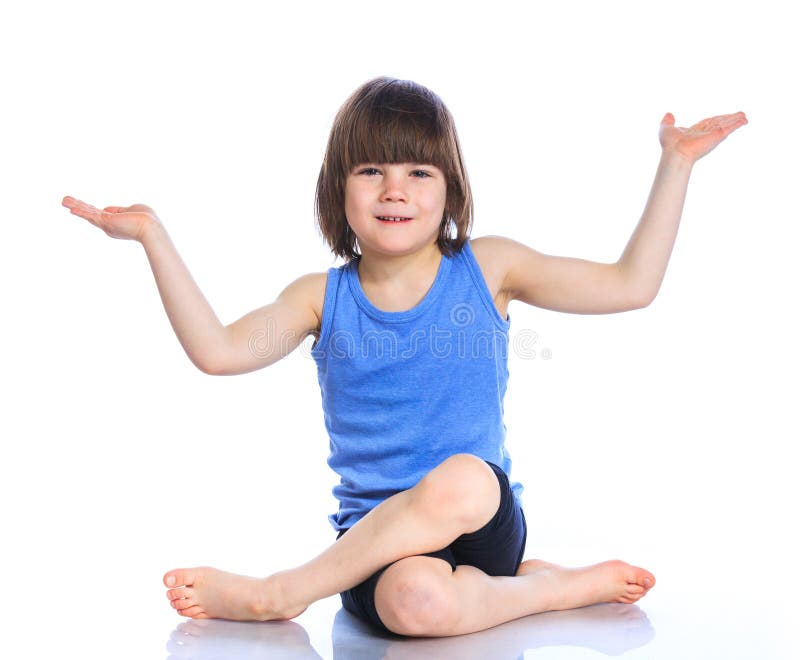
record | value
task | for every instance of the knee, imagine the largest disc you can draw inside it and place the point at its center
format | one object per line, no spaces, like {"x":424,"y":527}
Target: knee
{"x":416,"y":605}
{"x":464,"y":486}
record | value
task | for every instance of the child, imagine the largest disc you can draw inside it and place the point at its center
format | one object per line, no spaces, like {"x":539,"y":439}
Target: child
{"x":410,"y":345}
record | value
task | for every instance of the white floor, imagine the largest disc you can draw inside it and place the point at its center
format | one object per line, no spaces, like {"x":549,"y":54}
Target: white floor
{"x":730,"y":614}
{"x":696,"y":626}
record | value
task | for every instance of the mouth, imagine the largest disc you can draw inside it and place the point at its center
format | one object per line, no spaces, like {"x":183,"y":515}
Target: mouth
{"x":393,"y":219}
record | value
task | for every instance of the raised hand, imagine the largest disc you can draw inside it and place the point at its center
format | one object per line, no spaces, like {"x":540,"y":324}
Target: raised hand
{"x":128,"y":222}
{"x":696,"y":141}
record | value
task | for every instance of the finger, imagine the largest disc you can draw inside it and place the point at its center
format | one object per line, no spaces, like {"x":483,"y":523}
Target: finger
{"x":83,"y":206}
{"x":71,"y":202}
{"x":739,"y":119}
{"x":729,"y":124}
{"x":719,"y":118}
{"x":734,"y":116}
{"x":87,"y":211}
{"x":727,"y":119}
{"x":712,"y":123}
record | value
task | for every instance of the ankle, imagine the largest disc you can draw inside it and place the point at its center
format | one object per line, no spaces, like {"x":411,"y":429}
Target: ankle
{"x":550,"y":588}
{"x":271,"y":602}
{"x":280,"y":600}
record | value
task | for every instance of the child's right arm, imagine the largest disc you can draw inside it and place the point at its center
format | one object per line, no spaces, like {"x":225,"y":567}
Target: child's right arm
{"x":257,"y":340}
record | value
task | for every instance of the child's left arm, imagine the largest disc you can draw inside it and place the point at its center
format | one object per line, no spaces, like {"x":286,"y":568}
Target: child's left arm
{"x":587,"y":287}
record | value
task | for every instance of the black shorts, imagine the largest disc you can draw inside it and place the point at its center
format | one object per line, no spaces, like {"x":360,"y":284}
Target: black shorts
{"x":496,"y":549}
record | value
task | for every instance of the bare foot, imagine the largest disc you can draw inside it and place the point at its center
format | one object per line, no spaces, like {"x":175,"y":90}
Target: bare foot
{"x":608,"y":582}
{"x":208,"y":593}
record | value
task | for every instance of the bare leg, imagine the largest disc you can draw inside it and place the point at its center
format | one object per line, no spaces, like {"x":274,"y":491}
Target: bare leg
{"x":469,"y":600}
{"x":459,"y":496}
{"x":422,"y":519}
{"x":488,"y":601}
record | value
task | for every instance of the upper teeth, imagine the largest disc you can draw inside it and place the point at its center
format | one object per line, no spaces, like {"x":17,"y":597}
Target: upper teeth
{"x":391,"y":217}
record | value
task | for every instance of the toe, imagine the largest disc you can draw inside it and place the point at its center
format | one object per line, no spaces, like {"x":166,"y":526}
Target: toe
{"x":180,"y":592}
{"x":641,"y":577}
{"x":184,"y":603}
{"x":195,"y":612}
{"x":634,"y":590}
{"x":182,"y":598}
{"x":179,"y":577}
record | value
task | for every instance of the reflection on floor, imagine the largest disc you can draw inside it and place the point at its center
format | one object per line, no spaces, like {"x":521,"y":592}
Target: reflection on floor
{"x":611,"y":629}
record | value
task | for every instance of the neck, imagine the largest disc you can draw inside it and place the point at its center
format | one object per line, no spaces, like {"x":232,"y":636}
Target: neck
{"x":380,"y":269}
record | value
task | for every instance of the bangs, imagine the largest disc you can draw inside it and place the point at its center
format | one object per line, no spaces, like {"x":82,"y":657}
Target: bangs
{"x":396,"y":128}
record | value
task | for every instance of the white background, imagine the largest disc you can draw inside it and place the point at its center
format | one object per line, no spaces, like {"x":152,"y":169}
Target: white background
{"x":662,"y":436}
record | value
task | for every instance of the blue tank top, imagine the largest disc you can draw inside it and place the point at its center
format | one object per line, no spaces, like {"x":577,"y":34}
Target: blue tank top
{"x":403,"y":391}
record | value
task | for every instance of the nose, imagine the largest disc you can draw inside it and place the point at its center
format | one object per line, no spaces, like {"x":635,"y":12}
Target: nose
{"x":393,"y":187}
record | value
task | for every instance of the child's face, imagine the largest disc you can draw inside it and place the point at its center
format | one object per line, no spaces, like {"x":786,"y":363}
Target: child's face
{"x":410,"y":190}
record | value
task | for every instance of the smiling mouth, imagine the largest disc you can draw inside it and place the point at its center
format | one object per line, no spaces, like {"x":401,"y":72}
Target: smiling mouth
{"x":392,"y":218}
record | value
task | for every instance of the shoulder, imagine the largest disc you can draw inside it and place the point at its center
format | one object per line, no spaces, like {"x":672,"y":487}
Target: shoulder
{"x":308,"y":292}
{"x":494,"y":254}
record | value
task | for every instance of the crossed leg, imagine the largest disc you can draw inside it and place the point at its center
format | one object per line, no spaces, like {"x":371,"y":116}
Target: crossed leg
{"x":422,"y":596}
{"x":416,"y":595}
{"x":457,"y":497}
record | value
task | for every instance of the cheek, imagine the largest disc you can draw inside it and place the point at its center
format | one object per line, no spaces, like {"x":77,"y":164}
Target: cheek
{"x":349,"y":200}
{"x":438,"y":204}
{"x":353,"y":197}
{"x":441,"y":197}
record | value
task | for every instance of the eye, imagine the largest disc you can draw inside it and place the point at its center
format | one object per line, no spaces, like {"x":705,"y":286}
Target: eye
{"x":370,"y":170}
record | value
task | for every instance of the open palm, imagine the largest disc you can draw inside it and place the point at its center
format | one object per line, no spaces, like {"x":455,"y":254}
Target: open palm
{"x":127,"y":222}
{"x":696,"y":141}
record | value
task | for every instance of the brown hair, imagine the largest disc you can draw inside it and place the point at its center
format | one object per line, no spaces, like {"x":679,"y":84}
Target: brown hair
{"x":387,"y":120}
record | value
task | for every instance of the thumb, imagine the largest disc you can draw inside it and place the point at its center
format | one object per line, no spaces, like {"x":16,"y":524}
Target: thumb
{"x":668,"y":119}
{"x":114,"y":209}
